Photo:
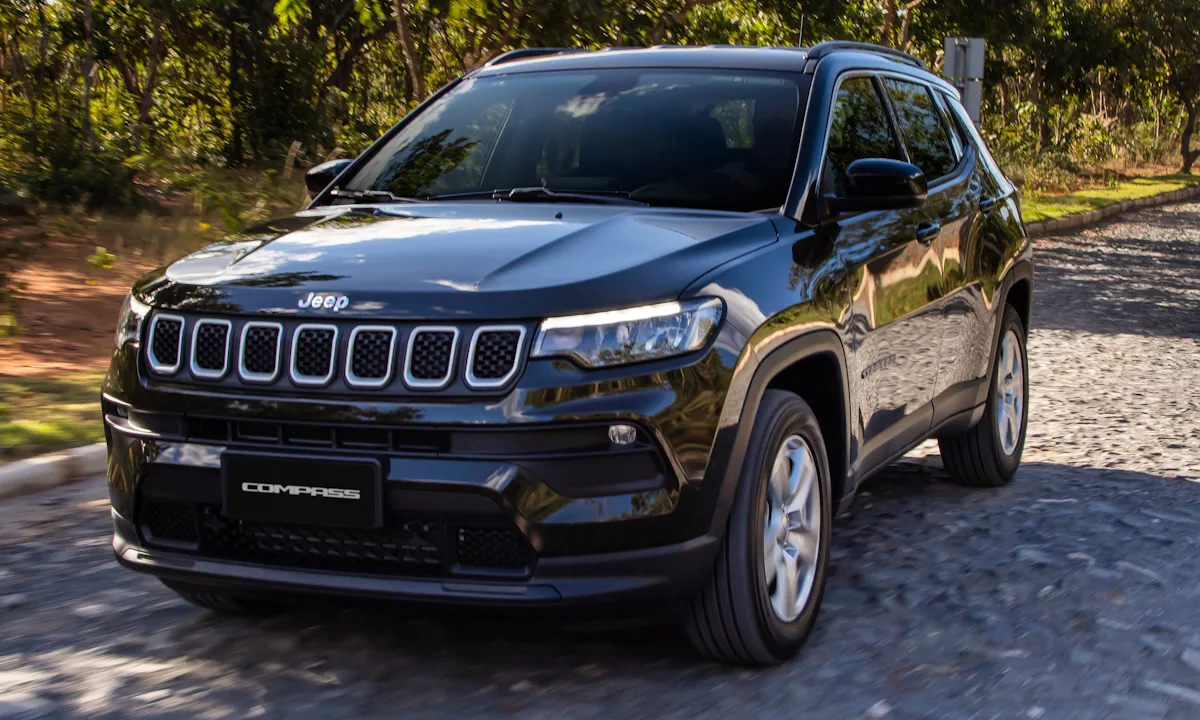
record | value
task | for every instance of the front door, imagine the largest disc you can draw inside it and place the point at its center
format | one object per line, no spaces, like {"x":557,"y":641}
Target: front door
{"x":894,"y":328}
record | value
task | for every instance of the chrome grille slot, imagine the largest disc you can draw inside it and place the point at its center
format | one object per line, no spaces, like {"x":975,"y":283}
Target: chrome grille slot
{"x":313,"y":347}
{"x":372,"y":348}
{"x":494,"y":355}
{"x":258,"y":356}
{"x":429,"y":362}
{"x":210,"y":348}
{"x":166,"y":344}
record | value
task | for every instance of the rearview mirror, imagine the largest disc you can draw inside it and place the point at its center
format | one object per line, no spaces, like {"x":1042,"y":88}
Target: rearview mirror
{"x":319,"y":177}
{"x":881,"y":184}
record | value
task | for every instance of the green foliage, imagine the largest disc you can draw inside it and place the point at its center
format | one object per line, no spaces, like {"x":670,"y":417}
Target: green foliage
{"x":99,"y":97}
{"x":102,"y":259}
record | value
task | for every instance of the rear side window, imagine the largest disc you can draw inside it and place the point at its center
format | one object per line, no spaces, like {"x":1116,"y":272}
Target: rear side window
{"x":971,"y":137}
{"x":859,"y":129}
{"x":923,"y":129}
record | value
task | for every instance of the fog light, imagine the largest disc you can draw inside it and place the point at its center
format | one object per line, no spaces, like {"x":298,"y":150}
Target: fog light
{"x":622,"y":434}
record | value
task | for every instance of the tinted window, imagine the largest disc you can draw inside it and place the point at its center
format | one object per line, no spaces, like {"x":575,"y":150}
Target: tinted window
{"x":859,"y":129}
{"x":665,"y":137}
{"x":922,"y":128}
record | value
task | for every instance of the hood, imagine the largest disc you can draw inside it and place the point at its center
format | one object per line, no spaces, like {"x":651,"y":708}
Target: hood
{"x":458,"y":260}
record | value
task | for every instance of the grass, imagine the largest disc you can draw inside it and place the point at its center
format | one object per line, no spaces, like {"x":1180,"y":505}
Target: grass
{"x":40,"y":415}
{"x":1037,"y":207}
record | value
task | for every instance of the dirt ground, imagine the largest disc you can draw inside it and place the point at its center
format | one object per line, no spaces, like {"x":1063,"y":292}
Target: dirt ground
{"x":65,"y":309}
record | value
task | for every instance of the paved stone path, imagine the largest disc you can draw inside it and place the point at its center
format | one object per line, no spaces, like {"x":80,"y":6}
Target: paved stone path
{"x":1073,"y":593}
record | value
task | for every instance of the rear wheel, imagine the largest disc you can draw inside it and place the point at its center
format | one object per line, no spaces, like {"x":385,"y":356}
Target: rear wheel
{"x":988,"y":454}
{"x":761,"y":601}
{"x":223,"y":602}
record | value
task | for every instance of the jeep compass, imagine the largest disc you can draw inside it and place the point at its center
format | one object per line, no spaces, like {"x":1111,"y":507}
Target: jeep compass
{"x":585,"y":330}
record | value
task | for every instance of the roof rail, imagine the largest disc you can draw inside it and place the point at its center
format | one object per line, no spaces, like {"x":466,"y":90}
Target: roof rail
{"x":822,"y":49}
{"x":524,"y":53}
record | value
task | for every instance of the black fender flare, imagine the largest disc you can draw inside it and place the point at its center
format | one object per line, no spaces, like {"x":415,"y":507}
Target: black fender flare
{"x":1020,"y":270}
{"x":725,"y":464}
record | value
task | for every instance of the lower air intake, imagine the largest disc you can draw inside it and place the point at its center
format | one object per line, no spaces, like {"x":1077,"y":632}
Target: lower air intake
{"x":407,"y":548}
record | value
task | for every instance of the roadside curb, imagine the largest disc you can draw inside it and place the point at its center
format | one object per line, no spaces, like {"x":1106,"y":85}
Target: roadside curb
{"x":1079,"y":220}
{"x":44,"y":472}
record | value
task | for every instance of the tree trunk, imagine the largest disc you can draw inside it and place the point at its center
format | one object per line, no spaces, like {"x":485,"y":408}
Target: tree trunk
{"x":889,"y":23}
{"x":237,"y":150}
{"x":89,"y":66}
{"x":146,"y":102}
{"x":1185,"y":142}
{"x":409,"y":50}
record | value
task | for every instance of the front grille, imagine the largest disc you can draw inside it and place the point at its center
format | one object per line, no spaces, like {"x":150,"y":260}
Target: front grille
{"x":312,"y":354}
{"x":260,"y":351}
{"x":492,"y":548}
{"x":371,"y":350}
{"x":169,"y":521}
{"x":210,"y":348}
{"x":494,"y":354}
{"x":430,"y":356}
{"x":166,"y":342}
{"x":335,"y":355}
{"x":408,"y":548}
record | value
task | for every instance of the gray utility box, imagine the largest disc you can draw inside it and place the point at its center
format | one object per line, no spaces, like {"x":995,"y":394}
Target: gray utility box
{"x":963,"y":67}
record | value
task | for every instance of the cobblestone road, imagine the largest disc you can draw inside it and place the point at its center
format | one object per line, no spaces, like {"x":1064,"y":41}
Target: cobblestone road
{"x":1073,"y":593}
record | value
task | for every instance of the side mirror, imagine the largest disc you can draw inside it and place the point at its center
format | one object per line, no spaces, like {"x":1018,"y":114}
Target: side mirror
{"x":881,"y":184}
{"x":319,"y":177}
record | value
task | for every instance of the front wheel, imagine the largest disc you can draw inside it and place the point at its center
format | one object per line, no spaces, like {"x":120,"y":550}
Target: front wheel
{"x":761,"y":601}
{"x":988,"y":454}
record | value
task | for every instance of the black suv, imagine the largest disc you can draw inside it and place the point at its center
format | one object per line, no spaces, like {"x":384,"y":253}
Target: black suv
{"x":600,"y":330}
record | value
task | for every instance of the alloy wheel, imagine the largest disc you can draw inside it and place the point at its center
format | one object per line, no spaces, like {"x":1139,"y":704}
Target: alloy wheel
{"x":1009,"y":393}
{"x":792,"y":528}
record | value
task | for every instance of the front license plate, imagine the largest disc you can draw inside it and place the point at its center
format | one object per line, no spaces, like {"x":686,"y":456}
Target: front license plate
{"x":301,"y":490}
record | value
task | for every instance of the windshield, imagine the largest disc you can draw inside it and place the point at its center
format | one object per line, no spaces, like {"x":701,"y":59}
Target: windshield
{"x":707,"y":139}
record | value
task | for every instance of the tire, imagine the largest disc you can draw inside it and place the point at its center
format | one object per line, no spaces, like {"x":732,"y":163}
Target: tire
{"x":988,"y":455}
{"x":732,"y":618}
{"x":222,"y":602}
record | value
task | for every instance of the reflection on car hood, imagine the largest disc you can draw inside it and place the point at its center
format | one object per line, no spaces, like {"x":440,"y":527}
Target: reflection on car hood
{"x":459,"y":260}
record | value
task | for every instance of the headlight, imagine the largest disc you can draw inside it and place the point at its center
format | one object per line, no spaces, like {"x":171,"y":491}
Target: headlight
{"x":637,"y":334}
{"x":129,"y":322}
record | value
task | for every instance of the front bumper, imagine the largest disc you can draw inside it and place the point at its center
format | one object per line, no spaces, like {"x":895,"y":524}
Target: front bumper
{"x":596,"y":526}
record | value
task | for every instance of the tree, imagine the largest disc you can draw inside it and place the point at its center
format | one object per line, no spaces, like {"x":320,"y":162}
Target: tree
{"x":1167,"y":31}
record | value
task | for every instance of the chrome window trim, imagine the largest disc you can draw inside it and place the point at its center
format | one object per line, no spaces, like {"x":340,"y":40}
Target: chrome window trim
{"x":155,"y":365}
{"x":313,"y":380}
{"x":439,"y":383}
{"x":253,"y":377}
{"x":199,"y":371}
{"x":355,"y":381}
{"x":480,"y":383}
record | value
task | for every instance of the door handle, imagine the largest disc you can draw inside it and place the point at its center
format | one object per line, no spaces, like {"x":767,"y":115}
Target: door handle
{"x":927,"y":231}
{"x":988,"y":203}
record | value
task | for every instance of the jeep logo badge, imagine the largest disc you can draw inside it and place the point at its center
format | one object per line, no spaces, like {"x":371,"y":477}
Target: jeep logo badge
{"x":324,"y":302}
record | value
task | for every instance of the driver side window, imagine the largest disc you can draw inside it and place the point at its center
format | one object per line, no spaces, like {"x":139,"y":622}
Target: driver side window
{"x":859,"y":128}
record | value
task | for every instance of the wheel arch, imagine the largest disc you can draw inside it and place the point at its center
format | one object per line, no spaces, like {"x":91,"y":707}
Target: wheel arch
{"x":813,"y":366}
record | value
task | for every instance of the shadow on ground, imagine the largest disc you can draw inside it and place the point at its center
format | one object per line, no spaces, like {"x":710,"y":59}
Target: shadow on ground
{"x":945,"y":601}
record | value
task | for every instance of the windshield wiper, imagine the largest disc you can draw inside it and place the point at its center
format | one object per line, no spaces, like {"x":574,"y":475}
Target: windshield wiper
{"x":541,"y":194}
{"x":371,"y":195}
